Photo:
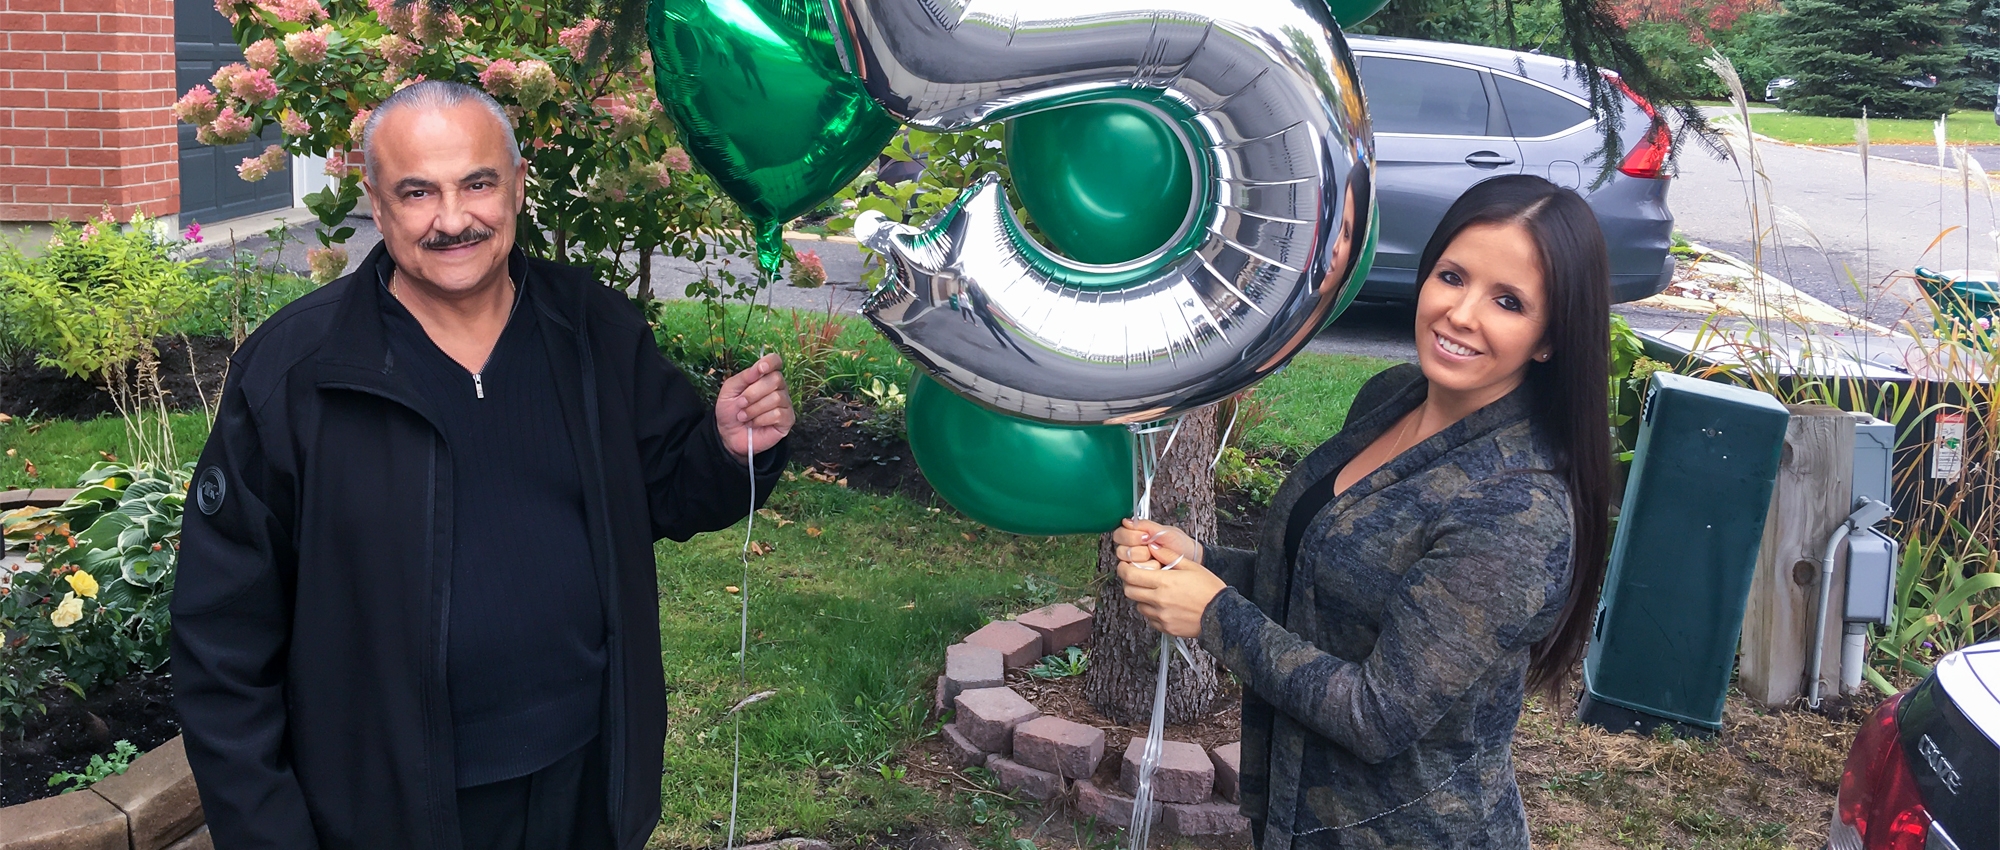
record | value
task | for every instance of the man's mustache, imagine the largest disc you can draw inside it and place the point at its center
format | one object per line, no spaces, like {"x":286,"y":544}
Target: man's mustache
{"x":467,"y":236}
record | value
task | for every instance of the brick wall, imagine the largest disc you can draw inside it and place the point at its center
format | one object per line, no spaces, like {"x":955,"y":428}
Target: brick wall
{"x":85,"y":87}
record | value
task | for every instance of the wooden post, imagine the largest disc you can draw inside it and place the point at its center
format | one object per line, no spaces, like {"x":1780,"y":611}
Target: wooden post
{"x":1808,"y":503}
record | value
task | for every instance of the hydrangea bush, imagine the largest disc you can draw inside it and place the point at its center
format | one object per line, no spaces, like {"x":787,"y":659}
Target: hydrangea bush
{"x":607,"y":183}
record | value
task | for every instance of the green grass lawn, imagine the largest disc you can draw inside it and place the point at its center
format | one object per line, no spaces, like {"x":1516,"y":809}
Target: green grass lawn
{"x":62,"y":449}
{"x":1308,"y":401}
{"x":1973,"y":126}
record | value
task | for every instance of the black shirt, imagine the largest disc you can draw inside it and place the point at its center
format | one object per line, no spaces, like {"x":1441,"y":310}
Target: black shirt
{"x":525,"y":646}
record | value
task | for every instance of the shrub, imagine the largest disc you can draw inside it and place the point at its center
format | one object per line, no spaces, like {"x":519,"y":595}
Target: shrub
{"x":97,"y":609}
{"x":1848,"y":55}
{"x":607,"y":185}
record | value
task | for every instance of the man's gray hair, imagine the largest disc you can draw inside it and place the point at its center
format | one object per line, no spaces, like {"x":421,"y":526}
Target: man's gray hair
{"x":432,"y":94}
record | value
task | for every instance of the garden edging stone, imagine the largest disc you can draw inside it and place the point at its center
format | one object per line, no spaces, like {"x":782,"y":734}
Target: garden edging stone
{"x":153,"y":806}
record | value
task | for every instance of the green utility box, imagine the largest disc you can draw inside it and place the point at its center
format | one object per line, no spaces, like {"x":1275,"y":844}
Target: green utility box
{"x":1681,"y":563}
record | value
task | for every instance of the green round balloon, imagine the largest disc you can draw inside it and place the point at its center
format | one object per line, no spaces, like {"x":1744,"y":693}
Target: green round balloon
{"x":1016,"y":475}
{"x":1351,"y":12}
{"x":1106,"y":181}
{"x":763,"y":105}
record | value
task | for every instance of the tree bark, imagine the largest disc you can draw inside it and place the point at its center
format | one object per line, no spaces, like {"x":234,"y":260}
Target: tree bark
{"x":1123,"y":657}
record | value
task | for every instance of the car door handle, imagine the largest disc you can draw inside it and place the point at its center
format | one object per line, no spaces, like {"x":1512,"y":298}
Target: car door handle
{"x":1487,"y":159}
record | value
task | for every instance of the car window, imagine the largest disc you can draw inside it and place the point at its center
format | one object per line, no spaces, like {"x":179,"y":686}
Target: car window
{"x":1534,"y":111}
{"x":1413,"y":96}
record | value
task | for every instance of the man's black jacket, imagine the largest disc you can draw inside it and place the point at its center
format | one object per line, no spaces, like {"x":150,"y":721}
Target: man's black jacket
{"x":315,"y":575}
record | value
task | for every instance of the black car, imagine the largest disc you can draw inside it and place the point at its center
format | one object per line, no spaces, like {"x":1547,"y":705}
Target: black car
{"x":1924,"y":771}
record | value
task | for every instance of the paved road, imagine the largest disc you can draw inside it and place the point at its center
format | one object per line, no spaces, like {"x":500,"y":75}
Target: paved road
{"x":1840,"y":256}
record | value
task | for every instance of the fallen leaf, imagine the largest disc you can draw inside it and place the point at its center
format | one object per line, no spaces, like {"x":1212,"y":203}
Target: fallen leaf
{"x":11,"y":452}
{"x":32,"y":471}
{"x":842,"y":482}
{"x":37,"y":427}
{"x":760,"y":548}
{"x":910,"y":606}
{"x":967,"y":535}
{"x":847,"y":445}
{"x":108,"y":456}
{"x":788,"y":476}
{"x":732,"y":588}
{"x":814,"y":531}
{"x":4,"y":419}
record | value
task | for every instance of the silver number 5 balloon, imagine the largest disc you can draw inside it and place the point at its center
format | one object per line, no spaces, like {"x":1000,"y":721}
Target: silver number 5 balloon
{"x":1266,"y":100}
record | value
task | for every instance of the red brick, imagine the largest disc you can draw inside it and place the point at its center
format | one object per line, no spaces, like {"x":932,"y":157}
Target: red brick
{"x":1038,"y":785}
{"x":961,"y":752}
{"x":123,"y":122}
{"x":30,"y":99}
{"x":122,"y":23}
{"x":1211,"y":818}
{"x":37,"y":118}
{"x":20,"y":22}
{"x":63,"y":22}
{"x":1061,"y":625}
{"x":36,"y":5}
{"x":33,"y":79}
{"x":30,"y":193}
{"x":24,"y":138}
{"x":71,"y":138}
{"x":99,"y":6}
{"x":67,"y":61}
{"x":987,"y":717}
{"x":102,"y":81}
{"x":1058,"y":746}
{"x":106,"y":42}
{"x":76,"y":176}
{"x":34,"y":39}
{"x":73,"y":100}
{"x":96,"y":196}
{"x":126,"y":62}
{"x":46,"y":157}
{"x":25,"y":212}
{"x":23,"y":176}
{"x":1020,"y":645}
{"x":108,"y":158}
{"x":14,"y":61}
{"x":122,"y":100}
{"x":1109,"y":807}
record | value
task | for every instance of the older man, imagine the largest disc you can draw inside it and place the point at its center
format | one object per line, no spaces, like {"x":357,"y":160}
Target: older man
{"x":417,"y":604}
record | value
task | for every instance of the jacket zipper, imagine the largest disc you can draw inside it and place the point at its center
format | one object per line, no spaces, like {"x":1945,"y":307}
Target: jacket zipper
{"x":478,"y":387}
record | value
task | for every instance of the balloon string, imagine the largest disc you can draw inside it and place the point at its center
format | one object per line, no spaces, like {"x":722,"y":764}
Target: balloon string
{"x":1149,"y":757}
{"x":743,"y":630}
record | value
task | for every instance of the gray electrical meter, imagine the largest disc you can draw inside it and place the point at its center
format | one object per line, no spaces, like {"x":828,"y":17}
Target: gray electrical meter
{"x":1871,"y":577}
{"x":1874,"y":457}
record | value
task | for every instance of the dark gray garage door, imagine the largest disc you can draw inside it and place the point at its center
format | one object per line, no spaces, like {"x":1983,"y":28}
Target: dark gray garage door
{"x":210,"y":189}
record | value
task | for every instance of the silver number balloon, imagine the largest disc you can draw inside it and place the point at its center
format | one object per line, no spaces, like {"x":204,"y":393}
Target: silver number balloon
{"x":1266,"y":98}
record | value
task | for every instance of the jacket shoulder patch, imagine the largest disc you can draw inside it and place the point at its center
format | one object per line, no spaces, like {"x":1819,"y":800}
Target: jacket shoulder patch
{"x":210,"y":490}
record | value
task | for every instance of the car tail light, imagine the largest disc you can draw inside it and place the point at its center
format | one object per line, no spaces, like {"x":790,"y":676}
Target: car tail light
{"x":1649,"y":158}
{"x":1879,"y":807}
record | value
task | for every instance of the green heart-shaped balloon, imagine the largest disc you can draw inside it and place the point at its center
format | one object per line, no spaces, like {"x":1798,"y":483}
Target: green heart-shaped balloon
{"x":1106,"y":181}
{"x":1016,"y":475}
{"x":763,"y":105}
{"x":1351,"y":12}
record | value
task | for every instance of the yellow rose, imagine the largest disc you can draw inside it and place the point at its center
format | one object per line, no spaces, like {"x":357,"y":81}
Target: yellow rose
{"x":84,"y":583}
{"x":67,"y":612}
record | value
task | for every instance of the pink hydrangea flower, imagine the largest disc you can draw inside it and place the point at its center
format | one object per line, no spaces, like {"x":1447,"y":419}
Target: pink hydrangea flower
{"x":655,"y":175}
{"x":326,"y":263}
{"x":499,"y":78}
{"x":198,"y":106}
{"x":627,"y":121}
{"x":294,"y":11}
{"x":252,"y":169}
{"x":534,"y":83}
{"x":307,"y":47}
{"x":228,"y":9}
{"x":193,"y":232}
{"x":336,"y":164}
{"x":254,"y":86}
{"x":576,"y":39}
{"x":294,"y":124}
{"x":228,"y":128}
{"x":262,"y":54}
{"x":224,"y":79}
{"x":359,"y":125}
{"x":89,"y":231}
{"x":433,"y":26}
{"x":677,"y":160}
{"x":397,"y":50}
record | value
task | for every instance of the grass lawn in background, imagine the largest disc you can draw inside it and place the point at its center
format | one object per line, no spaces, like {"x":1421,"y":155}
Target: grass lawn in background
{"x":62,"y":449}
{"x":1967,"y":126}
{"x":850,"y":613}
{"x":1308,"y":401}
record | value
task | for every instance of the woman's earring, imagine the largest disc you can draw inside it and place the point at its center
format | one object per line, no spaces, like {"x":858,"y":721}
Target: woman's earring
{"x":1542,"y":357}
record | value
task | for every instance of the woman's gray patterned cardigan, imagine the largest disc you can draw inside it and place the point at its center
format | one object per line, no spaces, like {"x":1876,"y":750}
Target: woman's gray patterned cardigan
{"x":1384,"y":671}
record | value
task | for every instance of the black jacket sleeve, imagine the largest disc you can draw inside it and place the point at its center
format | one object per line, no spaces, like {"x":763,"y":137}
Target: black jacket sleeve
{"x":232,"y":612}
{"x":693,"y":483}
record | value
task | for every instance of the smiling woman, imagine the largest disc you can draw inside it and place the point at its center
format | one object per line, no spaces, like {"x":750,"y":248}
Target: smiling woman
{"x":1429,"y":564}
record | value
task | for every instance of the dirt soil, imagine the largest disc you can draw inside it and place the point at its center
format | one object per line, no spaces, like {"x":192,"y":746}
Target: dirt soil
{"x":837,"y":440}
{"x":139,"y":709}
{"x":31,"y":390}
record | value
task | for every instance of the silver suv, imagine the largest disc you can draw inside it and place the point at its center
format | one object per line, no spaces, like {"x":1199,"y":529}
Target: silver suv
{"x":1447,"y":116}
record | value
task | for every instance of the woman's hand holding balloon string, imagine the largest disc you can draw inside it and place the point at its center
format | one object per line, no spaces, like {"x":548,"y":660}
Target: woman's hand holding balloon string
{"x":1161,"y":569}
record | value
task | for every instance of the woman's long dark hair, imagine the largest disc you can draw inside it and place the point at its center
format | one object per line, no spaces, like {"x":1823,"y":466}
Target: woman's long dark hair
{"x":1570,"y":392}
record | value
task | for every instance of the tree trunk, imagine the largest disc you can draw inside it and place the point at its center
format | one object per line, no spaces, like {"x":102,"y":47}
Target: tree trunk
{"x":644,"y":295}
{"x":1123,"y":656}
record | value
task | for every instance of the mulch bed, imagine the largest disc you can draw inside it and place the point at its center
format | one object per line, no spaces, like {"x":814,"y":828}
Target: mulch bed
{"x":139,"y":709}
{"x":30,"y":390}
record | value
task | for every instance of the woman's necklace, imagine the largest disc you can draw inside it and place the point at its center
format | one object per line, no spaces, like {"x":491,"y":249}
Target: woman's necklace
{"x":1403,"y":433}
